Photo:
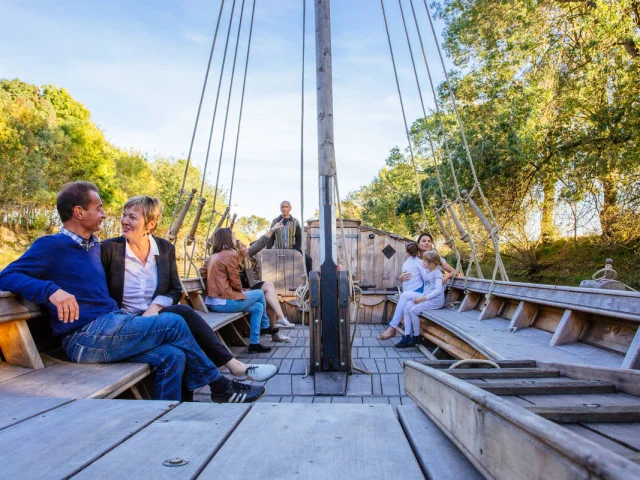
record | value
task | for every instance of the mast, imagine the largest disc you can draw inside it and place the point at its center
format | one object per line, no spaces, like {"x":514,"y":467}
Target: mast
{"x":326,"y":351}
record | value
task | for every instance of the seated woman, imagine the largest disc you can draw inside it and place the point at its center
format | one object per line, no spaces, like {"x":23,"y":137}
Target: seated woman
{"x":224,"y":289}
{"x":142,"y":277}
{"x":425,"y":244}
{"x":248,"y":276}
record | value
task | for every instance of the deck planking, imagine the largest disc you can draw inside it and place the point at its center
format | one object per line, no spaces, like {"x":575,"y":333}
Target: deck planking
{"x":63,"y":441}
{"x":381,"y":359}
{"x":192,"y":432}
{"x":317,"y":442}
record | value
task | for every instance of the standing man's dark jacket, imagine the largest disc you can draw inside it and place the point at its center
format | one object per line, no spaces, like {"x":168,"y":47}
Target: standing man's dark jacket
{"x":290,"y":231}
{"x":113,"y":257}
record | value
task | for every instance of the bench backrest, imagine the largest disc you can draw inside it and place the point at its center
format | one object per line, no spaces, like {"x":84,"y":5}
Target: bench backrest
{"x":284,"y":268}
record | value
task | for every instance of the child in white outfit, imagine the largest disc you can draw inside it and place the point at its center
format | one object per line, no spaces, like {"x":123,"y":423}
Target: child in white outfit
{"x":432,"y":299}
{"x":411,"y":288}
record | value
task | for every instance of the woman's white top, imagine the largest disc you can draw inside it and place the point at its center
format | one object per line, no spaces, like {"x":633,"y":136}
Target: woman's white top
{"x":141,"y":281}
{"x":412,"y":265}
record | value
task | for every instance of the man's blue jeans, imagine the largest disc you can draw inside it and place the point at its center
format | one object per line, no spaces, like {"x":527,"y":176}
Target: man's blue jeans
{"x":163,"y":341}
{"x":255,"y":305}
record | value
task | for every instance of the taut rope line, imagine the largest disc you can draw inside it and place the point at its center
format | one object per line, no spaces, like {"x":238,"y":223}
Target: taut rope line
{"x":244,"y":84}
{"x":195,"y":127}
{"x":404,"y":116}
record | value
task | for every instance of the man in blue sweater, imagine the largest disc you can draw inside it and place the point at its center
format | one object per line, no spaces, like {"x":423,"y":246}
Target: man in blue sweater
{"x":64,"y":272}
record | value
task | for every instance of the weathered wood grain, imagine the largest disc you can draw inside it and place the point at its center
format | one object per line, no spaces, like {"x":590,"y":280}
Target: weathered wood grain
{"x":627,"y":434}
{"x":569,"y":329}
{"x":76,"y":380}
{"x":503,"y":440}
{"x":542,"y":386}
{"x":11,"y":371}
{"x":17,"y":409}
{"x":479,"y":373}
{"x":604,"y":442}
{"x":588,"y":414}
{"x":61,"y":442}
{"x":523,"y":316}
{"x":192,"y":432}
{"x":625,"y":380}
{"x":17,"y":345}
{"x":316,"y":441}
{"x":439,"y":458}
{"x":491,"y":308}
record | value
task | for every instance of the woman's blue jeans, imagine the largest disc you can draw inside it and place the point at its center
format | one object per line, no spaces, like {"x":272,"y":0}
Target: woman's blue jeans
{"x":255,"y":305}
{"x":163,"y":341}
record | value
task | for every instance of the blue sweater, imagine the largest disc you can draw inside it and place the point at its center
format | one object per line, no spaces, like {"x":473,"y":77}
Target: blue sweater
{"x":57,"y":261}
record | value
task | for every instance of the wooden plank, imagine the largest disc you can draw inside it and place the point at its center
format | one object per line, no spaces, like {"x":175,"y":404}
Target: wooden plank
{"x":569,"y":329}
{"x":12,"y":309}
{"x":611,"y":303}
{"x":604,"y":441}
{"x":603,"y":399}
{"x":523,"y":316}
{"x":191,"y":431}
{"x":632,"y":358}
{"x":625,"y":380}
{"x":627,"y":434}
{"x":378,"y":261}
{"x":440,"y":364}
{"x":11,"y":371}
{"x":609,"y":333}
{"x":543,"y":386}
{"x":470,"y":302}
{"x":197,"y":302}
{"x":439,"y":458}
{"x":491,"y":308}
{"x":502,"y":372}
{"x":322,"y":441}
{"x":76,"y":380}
{"x":63,"y":441}
{"x":505,"y":441}
{"x":17,"y":345}
{"x":17,"y":409}
{"x":593,"y":413}
{"x":367,"y":273}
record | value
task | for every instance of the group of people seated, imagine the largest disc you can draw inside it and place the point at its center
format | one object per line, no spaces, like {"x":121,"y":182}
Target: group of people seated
{"x":422,"y":289}
{"x":118,"y":299}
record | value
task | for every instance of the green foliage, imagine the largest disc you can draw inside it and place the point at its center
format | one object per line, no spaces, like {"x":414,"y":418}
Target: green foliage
{"x":249,"y":229}
{"x":47,"y":139}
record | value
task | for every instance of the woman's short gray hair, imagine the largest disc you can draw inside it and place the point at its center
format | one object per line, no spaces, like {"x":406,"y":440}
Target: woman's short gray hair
{"x":150,"y":207}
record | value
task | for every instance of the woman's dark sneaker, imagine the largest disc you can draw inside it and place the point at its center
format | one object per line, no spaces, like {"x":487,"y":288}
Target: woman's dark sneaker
{"x":415,"y":340}
{"x":404,"y":342}
{"x":258,"y":348}
{"x":269,"y":331}
{"x":239,"y":393}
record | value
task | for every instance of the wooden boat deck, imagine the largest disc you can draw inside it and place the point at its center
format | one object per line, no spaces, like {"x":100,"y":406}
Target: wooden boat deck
{"x":493,"y":339}
{"x":384,"y":385}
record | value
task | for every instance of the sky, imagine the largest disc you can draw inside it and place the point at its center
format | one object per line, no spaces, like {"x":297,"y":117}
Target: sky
{"x":139,"y":68}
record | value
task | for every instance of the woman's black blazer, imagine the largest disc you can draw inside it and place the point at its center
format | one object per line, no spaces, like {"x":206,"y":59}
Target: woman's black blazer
{"x":112,"y":255}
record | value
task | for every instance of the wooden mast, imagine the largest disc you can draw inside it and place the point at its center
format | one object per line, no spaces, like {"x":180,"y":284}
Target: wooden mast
{"x":329,"y":355}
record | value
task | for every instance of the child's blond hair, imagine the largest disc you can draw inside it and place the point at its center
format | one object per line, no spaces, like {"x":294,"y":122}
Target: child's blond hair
{"x":431,"y":257}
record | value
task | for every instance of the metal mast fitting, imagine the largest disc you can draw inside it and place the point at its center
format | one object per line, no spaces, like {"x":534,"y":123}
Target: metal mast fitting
{"x":328,"y":327}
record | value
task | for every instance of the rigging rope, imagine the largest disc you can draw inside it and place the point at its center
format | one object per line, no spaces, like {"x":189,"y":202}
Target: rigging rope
{"x":226,"y":115}
{"x":244,"y":84}
{"x":433,"y":150}
{"x":303,"y":290}
{"x":195,"y":127}
{"x":474,"y":258}
{"x":406,"y":126}
{"x":496,"y":243}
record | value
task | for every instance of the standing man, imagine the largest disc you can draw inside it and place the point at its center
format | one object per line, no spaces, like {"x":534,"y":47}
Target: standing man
{"x":290,"y":235}
{"x":64,"y":272}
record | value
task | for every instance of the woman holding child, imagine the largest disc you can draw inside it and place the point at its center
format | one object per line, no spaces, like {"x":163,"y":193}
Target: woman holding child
{"x":413,"y":274}
{"x":142,"y":277}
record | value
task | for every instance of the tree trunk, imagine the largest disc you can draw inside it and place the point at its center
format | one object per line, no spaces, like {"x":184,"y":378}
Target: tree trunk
{"x":547,"y":228}
{"x":608,"y":213}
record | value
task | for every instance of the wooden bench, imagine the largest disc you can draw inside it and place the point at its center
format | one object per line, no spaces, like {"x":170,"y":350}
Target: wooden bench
{"x":285,"y":269}
{"x":438,"y":457}
{"x":27,"y":372}
{"x":232,"y":329}
{"x":567,"y":324}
